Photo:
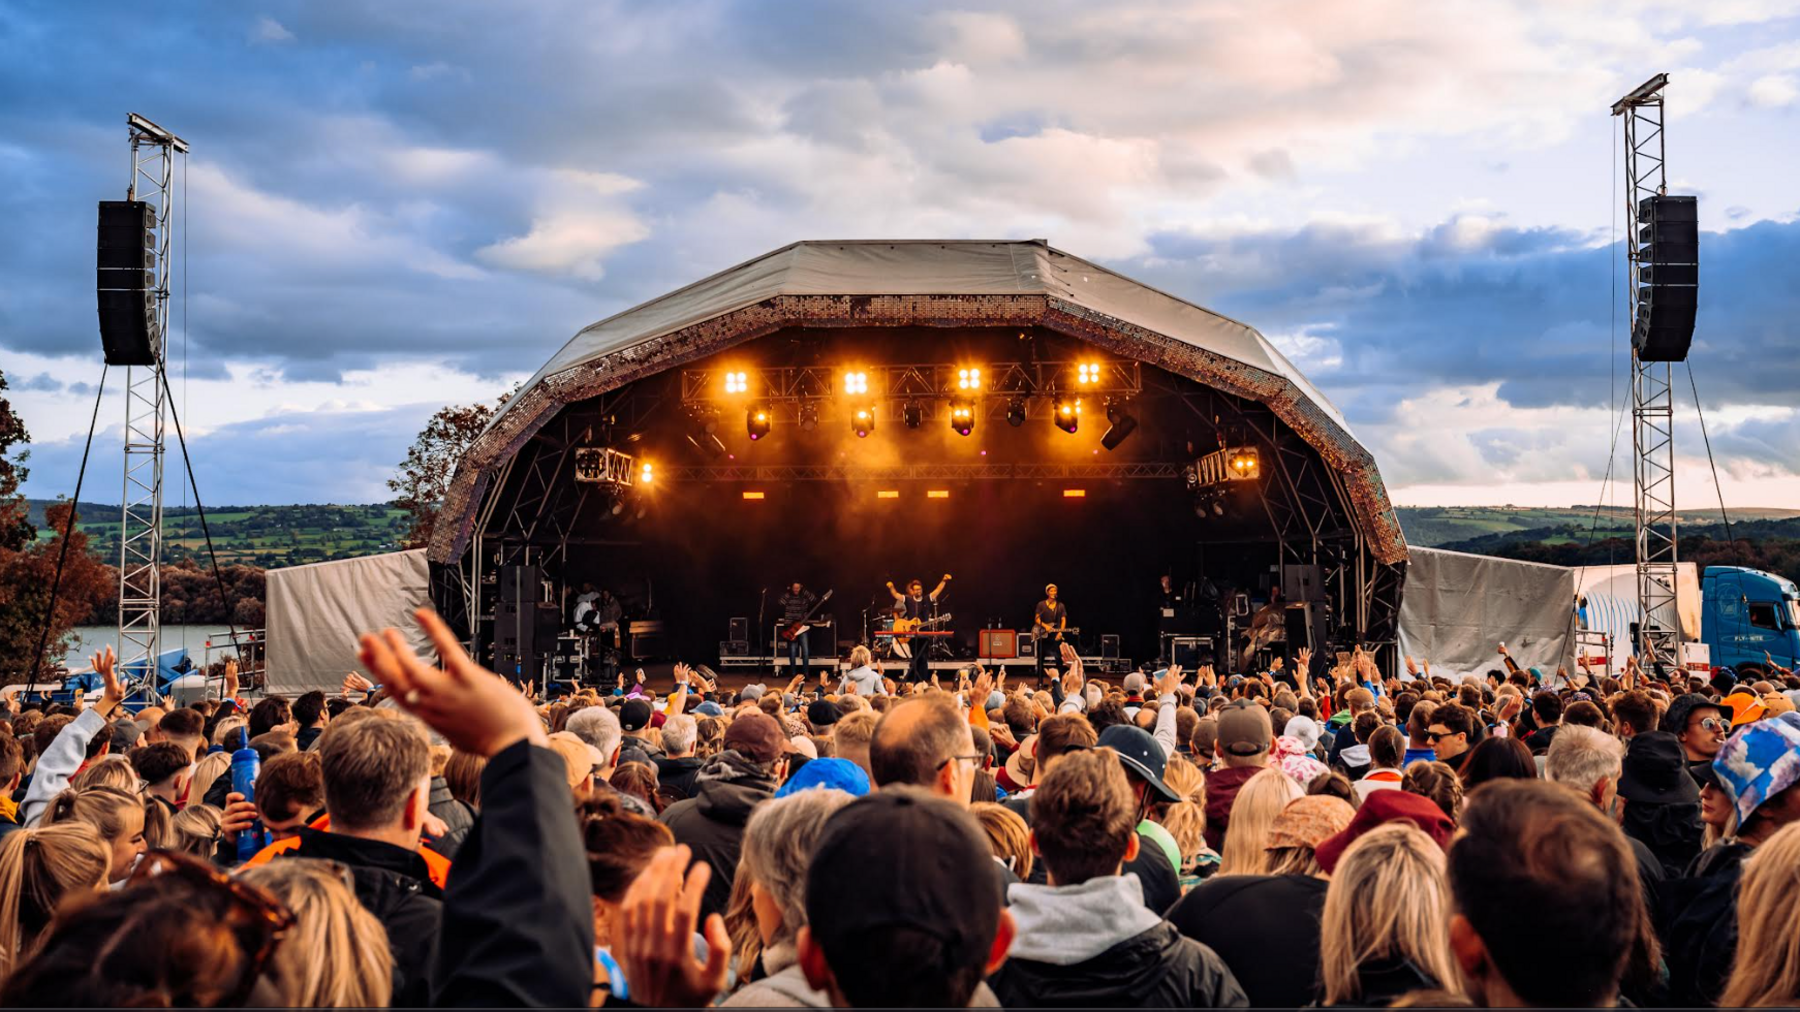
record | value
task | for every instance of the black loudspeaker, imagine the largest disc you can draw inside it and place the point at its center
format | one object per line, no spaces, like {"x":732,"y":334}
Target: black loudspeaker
{"x":125,"y":282}
{"x":1668,"y":278}
{"x":1109,"y":647}
{"x":740,"y":630}
{"x":520,"y":583}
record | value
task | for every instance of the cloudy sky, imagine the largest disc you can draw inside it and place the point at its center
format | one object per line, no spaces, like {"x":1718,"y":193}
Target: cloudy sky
{"x":392,"y":206}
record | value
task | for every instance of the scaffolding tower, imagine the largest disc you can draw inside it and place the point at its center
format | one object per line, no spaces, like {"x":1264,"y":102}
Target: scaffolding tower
{"x":153,"y":151}
{"x":1652,"y":400}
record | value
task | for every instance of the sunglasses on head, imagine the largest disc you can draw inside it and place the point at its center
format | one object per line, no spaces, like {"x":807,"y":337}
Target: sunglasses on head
{"x":256,"y":917}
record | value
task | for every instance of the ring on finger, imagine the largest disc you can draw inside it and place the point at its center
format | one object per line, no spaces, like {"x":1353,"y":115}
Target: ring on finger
{"x":412,"y":697}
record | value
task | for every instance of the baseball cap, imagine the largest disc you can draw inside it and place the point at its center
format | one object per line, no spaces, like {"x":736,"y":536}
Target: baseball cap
{"x":1745,"y":708}
{"x":821,"y":713}
{"x":1305,"y":730}
{"x":1387,"y":806}
{"x":757,"y":737}
{"x":1759,"y":761}
{"x":1140,"y":754}
{"x":634,"y":715}
{"x":937,"y":878}
{"x":995,"y":700}
{"x":709,"y":708}
{"x":579,"y":758}
{"x":1244,"y":729}
{"x":1134,"y":682}
{"x":752,"y":691}
{"x":830,"y":774}
{"x":802,"y":745}
{"x":1309,"y":821}
{"x":631,"y":754}
{"x":1655,"y":771}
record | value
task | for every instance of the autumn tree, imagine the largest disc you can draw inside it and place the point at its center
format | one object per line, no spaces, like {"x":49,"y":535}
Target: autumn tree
{"x":87,"y":589}
{"x":16,"y":530}
{"x":424,"y":477}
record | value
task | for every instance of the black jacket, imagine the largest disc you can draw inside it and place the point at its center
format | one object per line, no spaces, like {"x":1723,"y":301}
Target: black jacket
{"x":711,"y":822}
{"x":1382,"y":982}
{"x":394,"y":884}
{"x":1699,"y":924}
{"x":676,"y":776}
{"x":304,"y":739}
{"x":457,"y":816}
{"x":518,"y":918}
{"x":1265,"y":928}
{"x":1154,"y":969}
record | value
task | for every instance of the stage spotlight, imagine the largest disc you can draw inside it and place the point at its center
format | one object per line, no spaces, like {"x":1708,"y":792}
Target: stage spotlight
{"x":968,"y":379}
{"x":1123,"y":425}
{"x":646,"y":474}
{"x":756,"y":422}
{"x":856,"y":383}
{"x":1068,"y":415}
{"x":737,"y":382}
{"x":809,"y":416}
{"x":862,"y":421}
{"x":1088,"y":373}
{"x":1015,"y":412}
{"x":1245,"y":464}
{"x":913,"y":413}
{"x":962,"y":416}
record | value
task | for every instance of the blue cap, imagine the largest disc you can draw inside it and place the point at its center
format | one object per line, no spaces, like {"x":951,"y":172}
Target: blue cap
{"x":831,"y":774}
{"x":710,"y":709}
{"x":996,"y":699}
{"x":1759,"y":761}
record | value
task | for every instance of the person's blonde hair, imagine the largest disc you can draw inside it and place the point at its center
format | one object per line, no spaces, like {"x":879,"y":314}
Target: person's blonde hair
{"x":1185,"y":779}
{"x":1388,"y":900}
{"x":336,"y":955}
{"x":860,"y":656}
{"x":225,"y":727}
{"x":38,"y":868}
{"x":113,"y":771}
{"x":210,"y":767}
{"x":195,"y":829}
{"x":1007,"y":834}
{"x":778,"y":846}
{"x":1258,"y":802}
{"x":103,"y":808}
{"x":1766,"y":970}
{"x":740,"y":921}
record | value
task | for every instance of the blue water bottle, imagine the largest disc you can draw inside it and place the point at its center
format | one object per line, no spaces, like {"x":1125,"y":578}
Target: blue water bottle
{"x":246,"y":765}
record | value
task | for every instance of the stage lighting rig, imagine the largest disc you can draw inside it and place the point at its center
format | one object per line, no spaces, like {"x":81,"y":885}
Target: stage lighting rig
{"x":913,"y":413}
{"x":962,"y":415}
{"x":862,"y":421}
{"x":968,"y":379}
{"x":1088,"y":373}
{"x":756,"y":421}
{"x":1245,"y":464}
{"x":737,"y":383}
{"x":646,"y":473}
{"x":809,"y":416}
{"x":703,"y":434}
{"x":1122,"y":424}
{"x":1068,"y":414}
{"x":1229,"y":464}
{"x":602,"y":465}
{"x":1015,"y":411}
{"x":856,"y":383}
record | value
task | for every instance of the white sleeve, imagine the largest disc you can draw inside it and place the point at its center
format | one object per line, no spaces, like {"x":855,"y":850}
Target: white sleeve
{"x":59,"y":763}
{"x":1165,"y":723}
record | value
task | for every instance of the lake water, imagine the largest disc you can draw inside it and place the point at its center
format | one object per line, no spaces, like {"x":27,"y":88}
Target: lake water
{"x":89,"y":639}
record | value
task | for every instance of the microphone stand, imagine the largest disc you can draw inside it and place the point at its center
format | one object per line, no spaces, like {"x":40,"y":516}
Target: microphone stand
{"x":761,"y":630}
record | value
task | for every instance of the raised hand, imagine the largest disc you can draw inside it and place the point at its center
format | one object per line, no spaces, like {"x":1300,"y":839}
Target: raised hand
{"x":112,"y":694}
{"x":1412,"y":666}
{"x":473,"y":708}
{"x":231,"y":678}
{"x":1170,"y":682}
{"x":1302,"y":661}
{"x":656,"y":946}
{"x":354,"y":682}
{"x":1002,"y":736}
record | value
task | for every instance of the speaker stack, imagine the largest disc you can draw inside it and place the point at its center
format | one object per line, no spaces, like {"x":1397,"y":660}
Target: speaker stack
{"x":1668,"y":278}
{"x":125,"y":282}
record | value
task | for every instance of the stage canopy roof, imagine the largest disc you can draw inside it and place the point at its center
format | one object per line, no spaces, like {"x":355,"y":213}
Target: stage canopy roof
{"x":929,"y":283}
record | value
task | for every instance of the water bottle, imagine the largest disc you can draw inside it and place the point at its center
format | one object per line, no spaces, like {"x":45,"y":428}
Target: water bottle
{"x":246,"y":765}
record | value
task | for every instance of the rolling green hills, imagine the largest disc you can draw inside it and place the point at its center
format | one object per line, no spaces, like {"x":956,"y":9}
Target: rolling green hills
{"x":264,"y":536}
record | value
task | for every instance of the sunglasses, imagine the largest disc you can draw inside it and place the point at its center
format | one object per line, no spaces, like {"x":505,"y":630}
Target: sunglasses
{"x":258,"y":919}
{"x":1435,"y":735}
{"x":1712,"y":724}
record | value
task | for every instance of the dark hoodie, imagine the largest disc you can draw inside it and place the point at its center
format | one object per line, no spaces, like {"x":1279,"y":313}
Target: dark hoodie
{"x":1094,"y":944}
{"x":1672,"y":832}
{"x":712,"y":821}
{"x":1221,"y":790}
{"x":678,"y":775}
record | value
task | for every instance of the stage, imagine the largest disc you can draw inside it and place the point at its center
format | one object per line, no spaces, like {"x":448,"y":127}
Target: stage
{"x":845,"y":415}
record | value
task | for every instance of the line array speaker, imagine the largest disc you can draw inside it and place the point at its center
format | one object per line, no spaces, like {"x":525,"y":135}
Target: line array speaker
{"x":125,"y":282}
{"x":1668,"y":278}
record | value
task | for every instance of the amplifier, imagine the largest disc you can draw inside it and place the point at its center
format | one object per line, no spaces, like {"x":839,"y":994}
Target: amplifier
{"x":999,"y":644}
{"x":1187,"y":650}
{"x":734,"y":648}
{"x":740,"y":630}
{"x":1027,"y":646}
{"x":1109,"y":646}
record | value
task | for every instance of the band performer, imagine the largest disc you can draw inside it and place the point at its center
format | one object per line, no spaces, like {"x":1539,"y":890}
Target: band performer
{"x":910,"y":612}
{"x":796,"y":605}
{"x":1049,"y":623}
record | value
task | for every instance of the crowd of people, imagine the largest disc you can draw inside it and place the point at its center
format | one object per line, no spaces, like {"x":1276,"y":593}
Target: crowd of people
{"x":1314,"y":834}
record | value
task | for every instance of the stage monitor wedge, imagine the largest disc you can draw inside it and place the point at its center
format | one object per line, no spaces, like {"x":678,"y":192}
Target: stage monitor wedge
{"x":1668,"y":278}
{"x":125,"y":282}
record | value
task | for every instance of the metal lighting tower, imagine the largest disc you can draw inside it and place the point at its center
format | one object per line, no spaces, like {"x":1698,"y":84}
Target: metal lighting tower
{"x":1652,"y":401}
{"x":153,"y":151}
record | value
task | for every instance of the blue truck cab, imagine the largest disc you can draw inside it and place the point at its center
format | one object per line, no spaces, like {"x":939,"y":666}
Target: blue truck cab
{"x":1745,"y":613}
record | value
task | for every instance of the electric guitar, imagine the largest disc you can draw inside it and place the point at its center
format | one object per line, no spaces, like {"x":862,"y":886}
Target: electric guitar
{"x":799,"y":629}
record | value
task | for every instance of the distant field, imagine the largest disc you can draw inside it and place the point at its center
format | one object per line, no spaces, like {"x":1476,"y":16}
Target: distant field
{"x":1431,"y":526}
{"x":266,"y":536}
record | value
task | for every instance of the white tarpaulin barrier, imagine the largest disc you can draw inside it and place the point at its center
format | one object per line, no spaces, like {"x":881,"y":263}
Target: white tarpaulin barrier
{"x":315,"y":614}
{"x":1457,"y":608}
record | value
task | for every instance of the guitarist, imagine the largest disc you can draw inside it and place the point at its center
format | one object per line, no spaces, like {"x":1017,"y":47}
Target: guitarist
{"x":1049,"y":620}
{"x":910,"y":613}
{"x":796,"y":606}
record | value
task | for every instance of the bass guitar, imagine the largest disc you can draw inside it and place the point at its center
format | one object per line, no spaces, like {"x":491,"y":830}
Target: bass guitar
{"x":799,"y":629}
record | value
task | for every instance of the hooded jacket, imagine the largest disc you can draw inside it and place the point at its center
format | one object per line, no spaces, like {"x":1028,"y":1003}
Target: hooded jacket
{"x":1266,"y":930}
{"x":711,"y":822}
{"x":1221,"y":790}
{"x":1094,"y":944}
{"x":678,"y":775}
{"x":1354,"y":759}
{"x":395,"y":885}
{"x":457,"y":816}
{"x":1699,"y":924}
